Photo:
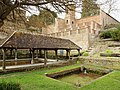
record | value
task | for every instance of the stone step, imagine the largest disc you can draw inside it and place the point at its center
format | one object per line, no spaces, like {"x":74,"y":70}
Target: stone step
{"x":90,"y":48}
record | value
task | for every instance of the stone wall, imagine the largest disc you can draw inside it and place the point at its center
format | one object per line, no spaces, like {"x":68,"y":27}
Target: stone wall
{"x":28,"y":68}
{"x":48,"y":29}
{"x":18,"y":62}
{"x":81,"y":33}
{"x":83,"y":36}
{"x":105,"y":62}
{"x":79,"y":37}
{"x":95,"y":18}
{"x":76,"y":31}
{"x":106,"y":19}
{"x":63,"y":73}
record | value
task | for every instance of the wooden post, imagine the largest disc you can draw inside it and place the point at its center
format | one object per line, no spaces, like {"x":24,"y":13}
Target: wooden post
{"x":37,"y":54}
{"x":56,"y":55}
{"x":78,"y":52}
{"x":69,"y":54}
{"x":66,"y":53}
{"x":46,"y":53}
{"x":40,"y":52}
{"x":15,"y":56}
{"x":32,"y":52}
{"x":4,"y":63}
{"x":45,"y":57}
{"x":11,"y":52}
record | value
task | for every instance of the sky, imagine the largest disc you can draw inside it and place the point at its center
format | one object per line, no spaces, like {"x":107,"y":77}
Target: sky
{"x":115,"y":13}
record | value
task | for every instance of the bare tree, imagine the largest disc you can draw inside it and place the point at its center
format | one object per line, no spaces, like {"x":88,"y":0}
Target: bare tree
{"x":8,"y":6}
{"x":110,"y":5}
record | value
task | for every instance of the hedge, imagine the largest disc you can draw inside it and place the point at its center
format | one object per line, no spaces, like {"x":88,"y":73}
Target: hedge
{"x":9,"y":86}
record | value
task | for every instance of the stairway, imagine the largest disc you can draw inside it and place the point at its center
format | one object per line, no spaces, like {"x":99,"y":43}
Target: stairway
{"x":99,"y":45}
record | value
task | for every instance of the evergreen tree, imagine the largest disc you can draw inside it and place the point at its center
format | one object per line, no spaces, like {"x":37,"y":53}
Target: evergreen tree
{"x":89,"y":8}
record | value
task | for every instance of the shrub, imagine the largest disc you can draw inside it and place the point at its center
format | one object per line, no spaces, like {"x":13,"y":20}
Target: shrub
{"x":9,"y":86}
{"x":110,"y":26}
{"x":108,"y":52}
{"x":78,"y":62}
{"x":105,"y":34}
{"x":118,"y":26}
{"x":115,"y":35}
{"x":85,"y":54}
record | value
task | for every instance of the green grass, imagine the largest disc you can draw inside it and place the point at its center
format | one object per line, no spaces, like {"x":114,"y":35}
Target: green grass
{"x":36,"y":80}
{"x":79,"y":79}
{"x":108,"y":82}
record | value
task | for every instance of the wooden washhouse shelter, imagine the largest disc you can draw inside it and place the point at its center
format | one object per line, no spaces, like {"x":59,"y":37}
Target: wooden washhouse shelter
{"x":18,"y":40}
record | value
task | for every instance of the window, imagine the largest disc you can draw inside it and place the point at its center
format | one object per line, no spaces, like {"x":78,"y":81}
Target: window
{"x":72,"y":22}
{"x":66,"y":21}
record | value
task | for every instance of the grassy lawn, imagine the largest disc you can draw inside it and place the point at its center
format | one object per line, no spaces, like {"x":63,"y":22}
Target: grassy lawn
{"x":108,"y":82}
{"x":80,"y":79}
{"x":36,"y":80}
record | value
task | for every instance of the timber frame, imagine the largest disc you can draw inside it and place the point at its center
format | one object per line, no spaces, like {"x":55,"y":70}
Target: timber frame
{"x":18,"y":40}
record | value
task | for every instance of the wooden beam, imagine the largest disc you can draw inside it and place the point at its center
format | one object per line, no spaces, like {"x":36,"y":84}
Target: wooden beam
{"x":78,"y":52}
{"x":4,"y":57}
{"x":11,"y":52}
{"x":37,"y":54}
{"x":46,"y":53}
{"x":56,"y":55}
{"x":45,"y":57}
{"x":40,"y":52}
{"x":15,"y":56}
{"x":69,"y":54}
{"x":32,"y":53}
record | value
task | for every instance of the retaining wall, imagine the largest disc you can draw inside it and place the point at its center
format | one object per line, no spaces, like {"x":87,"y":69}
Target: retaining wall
{"x":77,"y":70}
{"x":106,"y":62}
{"x":28,"y":68}
{"x":18,"y":62}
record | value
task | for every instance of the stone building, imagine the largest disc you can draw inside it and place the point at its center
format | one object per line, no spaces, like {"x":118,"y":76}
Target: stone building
{"x":81,"y":31}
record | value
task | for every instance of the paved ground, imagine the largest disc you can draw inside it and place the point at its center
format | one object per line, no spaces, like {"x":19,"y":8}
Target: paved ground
{"x":29,"y":66}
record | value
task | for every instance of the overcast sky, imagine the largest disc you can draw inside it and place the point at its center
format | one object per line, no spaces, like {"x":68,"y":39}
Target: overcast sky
{"x":115,"y":13}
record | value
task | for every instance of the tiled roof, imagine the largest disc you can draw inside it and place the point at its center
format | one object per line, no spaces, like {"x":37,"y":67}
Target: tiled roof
{"x":24,"y":40}
{"x":4,"y":36}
